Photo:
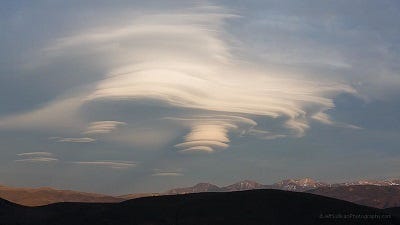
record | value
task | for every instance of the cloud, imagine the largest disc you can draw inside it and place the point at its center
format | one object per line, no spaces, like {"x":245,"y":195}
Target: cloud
{"x":36,"y":157}
{"x":74,"y":140}
{"x":37,"y":160}
{"x":167,"y":174}
{"x":109,"y":164}
{"x":35,"y":154}
{"x":103,"y":127}
{"x":186,"y":61}
{"x":211,"y":132}
{"x":47,"y":117}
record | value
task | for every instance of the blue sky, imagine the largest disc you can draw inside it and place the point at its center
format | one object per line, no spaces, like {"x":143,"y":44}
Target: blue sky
{"x":125,"y":96}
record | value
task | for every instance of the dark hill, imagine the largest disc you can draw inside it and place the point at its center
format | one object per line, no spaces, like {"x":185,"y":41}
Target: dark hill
{"x":395,"y":211}
{"x":255,"y":207}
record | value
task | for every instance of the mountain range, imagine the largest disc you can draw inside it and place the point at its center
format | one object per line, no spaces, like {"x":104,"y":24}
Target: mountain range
{"x":374,"y":193}
{"x":303,"y":184}
{"x":251,"y":207}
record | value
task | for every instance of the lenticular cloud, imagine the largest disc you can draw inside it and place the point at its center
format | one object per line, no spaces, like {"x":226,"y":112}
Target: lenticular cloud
{"x":185,"y":61}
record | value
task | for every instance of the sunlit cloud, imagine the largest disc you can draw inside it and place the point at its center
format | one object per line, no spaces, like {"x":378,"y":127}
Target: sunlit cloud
{"x":186,"y":61}
{"x":103,"y":127}
{"x":211,"y":132}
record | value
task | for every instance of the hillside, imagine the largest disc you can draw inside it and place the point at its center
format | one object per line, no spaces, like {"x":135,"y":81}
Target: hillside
{"x":44,"y":196}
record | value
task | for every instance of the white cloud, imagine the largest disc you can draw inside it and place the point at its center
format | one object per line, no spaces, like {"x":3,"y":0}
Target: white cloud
{"x":103,"y":127}
{"x":109,"y":164}
{"x":74,"y":140}
{"x":211,"y":132}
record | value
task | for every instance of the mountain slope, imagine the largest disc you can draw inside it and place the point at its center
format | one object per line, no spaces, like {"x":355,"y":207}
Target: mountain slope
{"x":44,"y":196}
{"x":255,"y":207}
{"x":369,"y":195}
{"x":243,"y":185}
{"x":198,"y":188}
{"x":137,"y":195}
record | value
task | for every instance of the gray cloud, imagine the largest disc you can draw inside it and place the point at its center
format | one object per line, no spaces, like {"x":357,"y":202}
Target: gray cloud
{"x":167,"y":174}
{"x":35,"y":154}
{"x":36,"y":157}
{"x":37,"y":160}
{"x":109,"y":164}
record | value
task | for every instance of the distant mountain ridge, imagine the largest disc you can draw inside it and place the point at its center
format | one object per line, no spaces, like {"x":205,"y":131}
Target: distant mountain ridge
{"x":288,"y":185}
{"x":46,"y":195}
{"x":379,"y":197}
{"x":302,"y":184}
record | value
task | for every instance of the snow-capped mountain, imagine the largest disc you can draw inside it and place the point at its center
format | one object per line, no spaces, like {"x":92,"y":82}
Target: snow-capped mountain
{"x":243,"y":185}
{"x":302,"y":184}
{"x":388,"y":182}
{"x":298,"y":184}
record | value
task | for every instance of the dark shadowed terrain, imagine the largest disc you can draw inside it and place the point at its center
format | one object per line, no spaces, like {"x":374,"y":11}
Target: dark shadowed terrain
{"x":233,"y":208}
{"x":395,"y":211}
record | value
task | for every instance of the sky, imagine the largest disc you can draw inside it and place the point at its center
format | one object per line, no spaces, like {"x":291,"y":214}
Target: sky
{"x":130,"y":96}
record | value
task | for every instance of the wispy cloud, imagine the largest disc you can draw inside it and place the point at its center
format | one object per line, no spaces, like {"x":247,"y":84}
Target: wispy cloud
{"x":73,"y":140}
{"x":108,"y":164}
{"x":35,"y":154}
{"x":167,"y":173}
{"x":37,"y":159}
{"x":103,"y":127}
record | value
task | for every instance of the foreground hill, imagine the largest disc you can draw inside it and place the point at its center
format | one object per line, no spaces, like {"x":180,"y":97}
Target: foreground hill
{"x":395,"y":211}
{"x":44,"y":196}
{"x":255,"y":207}
{"x":369,"y":195}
